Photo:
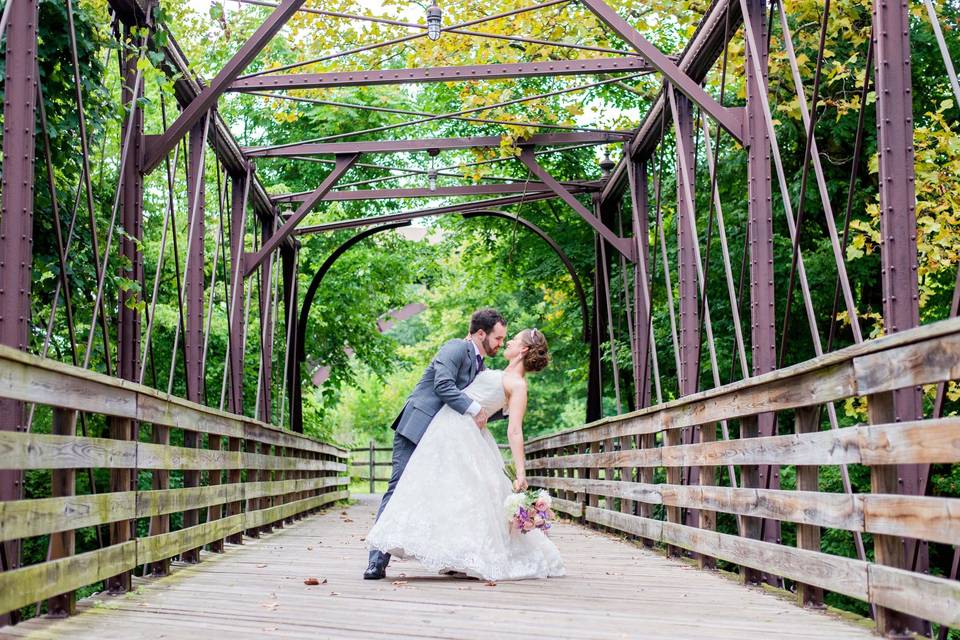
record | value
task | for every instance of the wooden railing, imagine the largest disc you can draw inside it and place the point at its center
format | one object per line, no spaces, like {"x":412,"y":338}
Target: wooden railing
{"x":239,"y":475}
{"x":364,"y":463}
{"x":613,"y":461}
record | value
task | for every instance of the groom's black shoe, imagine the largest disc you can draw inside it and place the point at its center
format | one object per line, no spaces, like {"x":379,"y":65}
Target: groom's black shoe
{"x":376,"y":570}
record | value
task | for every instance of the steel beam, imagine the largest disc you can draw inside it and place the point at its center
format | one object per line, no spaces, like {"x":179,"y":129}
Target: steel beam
{"x":422,"y":192}
{"x":16,"y":226}
{"x":622,"y":245}
{"x":207,"y":99}
{"x":760,"y":222}
{"x":266,"y":316}
{"x":128,"y":318}
{"x":194,"y":284}
{"x":720,"y":23}
{"x":428,"y":144}
{"x":239,"y":192}
{"x":898,"y":248}
{"x":186,"y":88}
{"x":441,"y":74}
{"x":270,"y":243}
{"x":689,"y":324}
{"x":426,"y":213}
{"x":730,"y":119}
{"x":640,"y":216}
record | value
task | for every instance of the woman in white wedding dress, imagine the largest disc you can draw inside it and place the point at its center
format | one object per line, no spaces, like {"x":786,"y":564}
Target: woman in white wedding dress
{"x":447,"y":510}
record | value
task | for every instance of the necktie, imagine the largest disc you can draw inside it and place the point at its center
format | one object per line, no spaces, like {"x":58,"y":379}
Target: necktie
{"x":480,"y":366}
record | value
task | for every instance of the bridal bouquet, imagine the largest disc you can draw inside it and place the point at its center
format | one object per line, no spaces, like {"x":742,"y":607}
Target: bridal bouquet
{"x":529,"y":510}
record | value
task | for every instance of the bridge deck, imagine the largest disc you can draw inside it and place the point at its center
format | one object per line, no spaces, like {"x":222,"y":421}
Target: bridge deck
{"x":613,"y":590}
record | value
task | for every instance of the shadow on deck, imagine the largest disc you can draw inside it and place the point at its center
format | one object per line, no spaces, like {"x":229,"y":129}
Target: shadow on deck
{"x":613,"y":589}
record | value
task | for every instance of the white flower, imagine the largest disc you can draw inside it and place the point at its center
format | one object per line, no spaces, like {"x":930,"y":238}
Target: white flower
{"x":513,"y":502}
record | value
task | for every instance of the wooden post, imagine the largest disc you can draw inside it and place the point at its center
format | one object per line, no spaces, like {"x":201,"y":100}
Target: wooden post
{"x":645,"y":509}
{"x":266,"y":475}
{"x":594,"y":474}
{"x":253,"y":475}
{"x":63,"y":543}
{"x":215,"y":511}
{"x":888,"y":550}
{"x":160,"y":480}
{"x":808,"y":536}
{"x":708,"y":477}
{"x":750,"y":477}
{"x":233,"y":478}
{"x":121,"y":480}
{"x":626,"y":475}
{"x":373,"y":468}
{"x":672,"y":437}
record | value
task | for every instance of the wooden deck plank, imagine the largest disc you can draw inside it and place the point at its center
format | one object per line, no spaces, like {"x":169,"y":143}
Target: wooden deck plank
{"x":613,"y":590}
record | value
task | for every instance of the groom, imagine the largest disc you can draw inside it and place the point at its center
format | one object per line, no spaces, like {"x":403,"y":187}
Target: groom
{"x":452,"y":369}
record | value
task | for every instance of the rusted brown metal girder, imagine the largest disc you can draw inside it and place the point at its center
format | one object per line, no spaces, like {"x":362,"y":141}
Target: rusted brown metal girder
{"x":429,"y":144}
{"x":719,"y":24}
{"x":423,"y":192}
{"x":16,"y":229}
{"x":440,"y":74}
{"x":187,"y":87}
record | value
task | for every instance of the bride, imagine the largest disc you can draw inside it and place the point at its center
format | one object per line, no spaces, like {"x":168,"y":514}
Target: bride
{"x":447,"y":510}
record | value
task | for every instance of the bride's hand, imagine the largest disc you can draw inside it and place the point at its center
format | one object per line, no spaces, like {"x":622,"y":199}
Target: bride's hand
{"x":520,"y":484}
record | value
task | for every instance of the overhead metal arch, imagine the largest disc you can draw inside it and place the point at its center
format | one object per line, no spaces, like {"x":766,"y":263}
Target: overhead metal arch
{"x":298,"y":356}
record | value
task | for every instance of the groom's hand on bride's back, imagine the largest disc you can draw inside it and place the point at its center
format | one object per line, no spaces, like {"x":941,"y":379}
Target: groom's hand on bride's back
{"x":481,"y":419}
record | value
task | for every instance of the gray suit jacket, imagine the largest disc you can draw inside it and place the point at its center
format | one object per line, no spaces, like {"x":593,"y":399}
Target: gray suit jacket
{"x":452,"y":369}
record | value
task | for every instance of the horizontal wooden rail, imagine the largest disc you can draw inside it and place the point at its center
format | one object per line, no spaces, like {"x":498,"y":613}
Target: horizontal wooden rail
{"x":835,"y":376}
{"x":287,"y":476}
{"x":603,"y":473}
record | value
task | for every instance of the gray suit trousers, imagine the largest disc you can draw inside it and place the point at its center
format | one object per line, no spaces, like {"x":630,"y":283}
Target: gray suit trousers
{"x":402,"y":450}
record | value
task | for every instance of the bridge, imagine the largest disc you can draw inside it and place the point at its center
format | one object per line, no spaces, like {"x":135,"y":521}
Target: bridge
{"x":710,"y":511}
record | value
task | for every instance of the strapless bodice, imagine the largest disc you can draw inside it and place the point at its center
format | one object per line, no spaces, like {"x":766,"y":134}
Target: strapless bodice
{"x":487,"y":389}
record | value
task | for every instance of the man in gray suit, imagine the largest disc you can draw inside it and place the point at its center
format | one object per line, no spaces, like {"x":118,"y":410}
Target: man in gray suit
{"x":452,"y":369}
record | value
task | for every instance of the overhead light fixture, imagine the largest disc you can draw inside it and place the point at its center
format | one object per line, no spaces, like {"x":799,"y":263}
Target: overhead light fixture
{"x":432,"y":172}
{"x":434,"y":17}
{"x":606,"y":165}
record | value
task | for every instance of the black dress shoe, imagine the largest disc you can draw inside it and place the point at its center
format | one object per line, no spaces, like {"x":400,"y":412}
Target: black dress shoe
{"x":375,"y":571}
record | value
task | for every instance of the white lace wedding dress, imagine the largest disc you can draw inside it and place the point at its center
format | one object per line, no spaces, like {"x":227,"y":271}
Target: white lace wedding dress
{"x":447,"y":510}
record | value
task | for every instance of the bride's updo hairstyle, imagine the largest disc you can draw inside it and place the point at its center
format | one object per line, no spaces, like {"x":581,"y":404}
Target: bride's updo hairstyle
{"x":537,"y":356}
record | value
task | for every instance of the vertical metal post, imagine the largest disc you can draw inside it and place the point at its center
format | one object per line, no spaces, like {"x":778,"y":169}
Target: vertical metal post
{"x":594,"y":370}
{"x":290,"y":292}
{"x":898,"y":247}
{"x":16,"y":225}
{"x":193,"y":334}
{"x":687,"y":267}
{"x":641,"y":316}
{"x":238,"y":219}
{"x":128,"y":330}
{"x":266,"y":314}
{"x":760,"y":222}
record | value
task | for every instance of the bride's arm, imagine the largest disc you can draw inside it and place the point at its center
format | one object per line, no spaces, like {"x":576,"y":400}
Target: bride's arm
{"x":517,"y":406}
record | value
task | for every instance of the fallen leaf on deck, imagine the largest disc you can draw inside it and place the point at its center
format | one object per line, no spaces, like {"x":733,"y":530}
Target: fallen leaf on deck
{"x":309,"y":548}
{"x":312,"y":581}
{"x":490,"y":583}
{"x":399,"y":583}
{"x":347,"y":520}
